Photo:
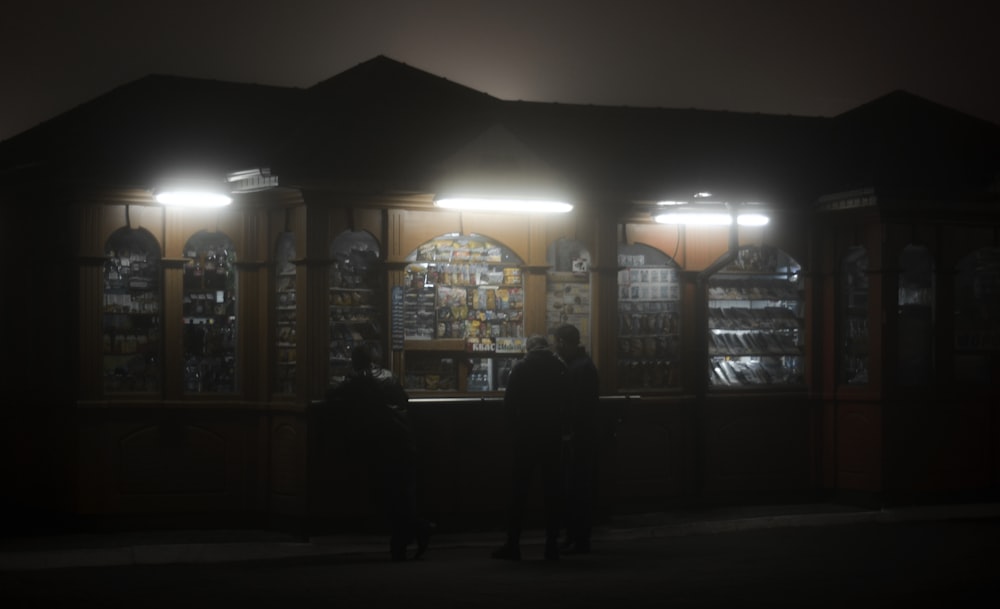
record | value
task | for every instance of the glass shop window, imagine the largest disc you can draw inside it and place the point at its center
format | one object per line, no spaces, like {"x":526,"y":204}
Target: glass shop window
{"x":977,"y":318}
{"x":915,"y":316}
{"x":210,"y":314}
{"x":854,"y":344}
{"x":132,"y":322}
{"x":649,"y":299}
{"x":462,"y":314}
{"x":756,"y":331}
{"x":357,"y":301}
{"x":568,"y":288}
{"x":284,"y":314}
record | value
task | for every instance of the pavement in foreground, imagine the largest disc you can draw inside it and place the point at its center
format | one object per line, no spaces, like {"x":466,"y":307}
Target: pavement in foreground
{"x":845,"y":559}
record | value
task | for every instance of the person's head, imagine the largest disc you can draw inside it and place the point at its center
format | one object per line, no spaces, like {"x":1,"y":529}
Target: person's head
{"x":361,"y":358}
{"x":567,"y":339}
{"x":536,"y":343}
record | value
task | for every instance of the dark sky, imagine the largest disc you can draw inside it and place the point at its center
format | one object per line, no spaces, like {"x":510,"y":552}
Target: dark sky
{"x":807,"y":57}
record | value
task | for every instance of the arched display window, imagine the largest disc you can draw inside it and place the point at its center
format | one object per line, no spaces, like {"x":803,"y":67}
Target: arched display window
{"x":568,"y":288}
{"x":853,"y":331}
{"x":462,"y":314}
{"x":755,"y":321}
{"x":210,"y":314}
{"x":977,"y":318}
{"x":284,"y":314}
{"x":915,"y":316}
{"x":132,"y":330}
{"x":356,"y":300}
{"x":649,"y":298}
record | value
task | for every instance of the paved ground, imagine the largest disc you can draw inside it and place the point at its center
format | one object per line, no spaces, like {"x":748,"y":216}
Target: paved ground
{"x":822,"y":559}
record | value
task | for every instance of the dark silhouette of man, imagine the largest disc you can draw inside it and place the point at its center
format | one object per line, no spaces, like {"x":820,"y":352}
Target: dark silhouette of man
{"x":583,"y":397}
{"x":374,"y":417}
{"x":535,"y":404}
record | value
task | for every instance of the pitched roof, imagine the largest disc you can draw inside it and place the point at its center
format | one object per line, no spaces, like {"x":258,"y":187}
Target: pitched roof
{"x":384,"y":125}
{"x":904,"y":145}
{"x":156,"y":124}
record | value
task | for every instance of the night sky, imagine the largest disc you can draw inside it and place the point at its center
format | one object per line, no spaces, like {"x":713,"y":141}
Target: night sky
{"x":803,"y":57}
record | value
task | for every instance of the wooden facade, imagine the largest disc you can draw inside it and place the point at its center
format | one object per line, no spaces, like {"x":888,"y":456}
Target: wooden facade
{"x":366,"y":153}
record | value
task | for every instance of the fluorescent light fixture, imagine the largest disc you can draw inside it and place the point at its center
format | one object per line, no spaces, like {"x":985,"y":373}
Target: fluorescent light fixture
{"x":191,"y":197}
{"x":503,"y":205}
{"x":696,"y":218}
{"x":754,"y":219}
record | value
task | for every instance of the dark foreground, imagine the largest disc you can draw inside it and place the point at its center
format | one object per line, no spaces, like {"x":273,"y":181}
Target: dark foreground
{"x":913,"y":564}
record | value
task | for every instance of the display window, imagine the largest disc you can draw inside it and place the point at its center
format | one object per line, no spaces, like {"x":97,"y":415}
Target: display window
{"x":915,"y":316}
{"x":567,"y":286}
{"x":649,"y":299}
{"x":357,"y":300}
{"x":853,"y":301}
{"x":209,"y":308}
{"x":977,"y":318}
{"x":755,"y":321}
{"x":284,"y":314}
{"x":462,"y":314}
{"x":132,"y":330}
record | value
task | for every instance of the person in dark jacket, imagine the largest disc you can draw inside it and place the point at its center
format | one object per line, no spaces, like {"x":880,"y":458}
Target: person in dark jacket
{"x":535,"y":405}
{"x":583,"y":398}
{"x":373,"y":404}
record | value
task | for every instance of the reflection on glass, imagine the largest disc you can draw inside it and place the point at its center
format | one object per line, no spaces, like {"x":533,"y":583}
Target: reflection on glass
{"x":209,"y":314}
{"x":132,"y":330}
{"x":915,"y":334}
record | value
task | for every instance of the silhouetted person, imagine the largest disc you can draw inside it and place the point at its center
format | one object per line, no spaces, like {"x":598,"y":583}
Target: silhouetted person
{"x":583,"y":396}
{"x":534,"y":401}
{"x":374,"y":415}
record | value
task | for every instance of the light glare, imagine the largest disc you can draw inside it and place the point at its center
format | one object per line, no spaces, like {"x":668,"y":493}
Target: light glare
{"x":504,"y":205}
{"x":193,"y":198}
{"x":752,"y":219}
{"x":695,"y":218}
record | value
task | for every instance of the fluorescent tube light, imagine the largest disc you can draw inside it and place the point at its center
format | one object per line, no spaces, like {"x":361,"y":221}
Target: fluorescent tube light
{"x":503,"y":205}
{"x":193,"y":198}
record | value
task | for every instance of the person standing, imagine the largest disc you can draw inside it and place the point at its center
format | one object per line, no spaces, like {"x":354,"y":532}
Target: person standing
{"x":583,"y":399}
{"x":373,"y":404}
{"x":535,"y":401}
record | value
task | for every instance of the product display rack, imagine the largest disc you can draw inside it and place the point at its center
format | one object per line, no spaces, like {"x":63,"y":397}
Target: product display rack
{"x":648,"y":319}
{"x":463,"y":294}
{"x":755,"y":322}
{"x":356,"y":302}
{"x":209,"y":308}
{"x":285,"y":316}
{"x":132,"y":334}
{"x":854,"y":317}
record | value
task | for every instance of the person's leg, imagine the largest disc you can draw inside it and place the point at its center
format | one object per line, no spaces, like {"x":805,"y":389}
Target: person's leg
{"x":520,"y":486}
{"x":554,"y":488}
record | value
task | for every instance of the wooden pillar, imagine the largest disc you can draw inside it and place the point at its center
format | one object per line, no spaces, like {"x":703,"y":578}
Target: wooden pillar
{"x":604,"y":303}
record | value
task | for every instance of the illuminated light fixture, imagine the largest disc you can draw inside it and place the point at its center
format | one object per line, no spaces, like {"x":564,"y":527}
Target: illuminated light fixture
{"x":754,"y":219}
{"x":193,"y":191}
{"x":543,"y":206}
{"x":192,"y":198}
{"x":703,"y":212}
{"x":710,"y":218}
{"x":695,"y":218}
